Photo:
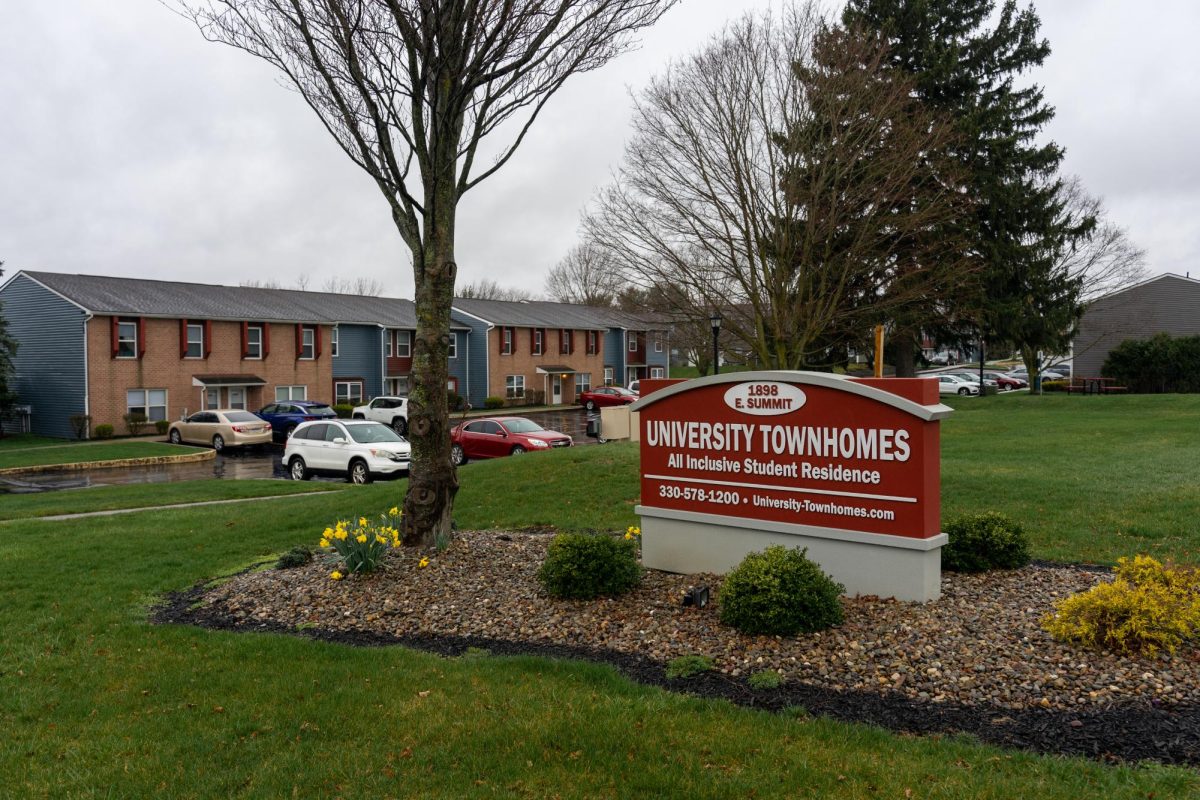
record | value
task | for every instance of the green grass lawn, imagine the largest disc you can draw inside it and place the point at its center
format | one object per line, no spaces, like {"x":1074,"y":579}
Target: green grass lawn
{"x":96,"y":702}
{"x":87,"y":451}
{"x":21,"y":441}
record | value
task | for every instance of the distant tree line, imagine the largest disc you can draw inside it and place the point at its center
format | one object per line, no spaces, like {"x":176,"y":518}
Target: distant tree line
{"x":1158,"y":365}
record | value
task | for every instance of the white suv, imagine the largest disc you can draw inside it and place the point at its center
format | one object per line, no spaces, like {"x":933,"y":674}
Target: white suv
{"x":358,"y":449}
{"x":391,"y":411}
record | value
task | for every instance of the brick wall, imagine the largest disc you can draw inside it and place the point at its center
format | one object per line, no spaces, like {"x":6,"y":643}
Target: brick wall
{"x":523,"y":362}
{"x":161,"y":367}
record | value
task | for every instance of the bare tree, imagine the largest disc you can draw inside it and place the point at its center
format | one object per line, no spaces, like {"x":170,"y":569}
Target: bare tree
{"x":774,"y":176}
{"x":363,"y":287}
{"x":1104,"y":260}
{"x":586,"y":275}
{"x":490,"y":290}
{"x":411,"y":90}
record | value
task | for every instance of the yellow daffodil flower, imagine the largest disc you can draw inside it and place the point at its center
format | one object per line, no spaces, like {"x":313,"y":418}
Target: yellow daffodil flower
{"x":361,"y":538}
{"x":324,"y":542}
{"x":394,"y":511}
{"x":362,"y":522}
{"x":337,"y":576}
{"x":380,"y":539}
{"x":424,"y":562}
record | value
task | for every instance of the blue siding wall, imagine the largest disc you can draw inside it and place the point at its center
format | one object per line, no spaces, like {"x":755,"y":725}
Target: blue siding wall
{"x":473,"y":352}
{"x":360,"y":355}
{"x":662,"y":359}
{"x":614,"y":354}
{"x":51,"y":368}
{"x":459,"y":368}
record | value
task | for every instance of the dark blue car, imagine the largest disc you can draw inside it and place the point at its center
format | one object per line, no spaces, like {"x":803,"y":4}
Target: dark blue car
{"x":284,"y":417}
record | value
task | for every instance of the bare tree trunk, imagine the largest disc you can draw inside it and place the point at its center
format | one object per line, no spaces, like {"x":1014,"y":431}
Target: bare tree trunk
{"x":906,"y":357}
{"x":1033,"y":366}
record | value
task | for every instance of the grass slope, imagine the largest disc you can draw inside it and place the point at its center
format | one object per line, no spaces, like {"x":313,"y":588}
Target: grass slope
{"x":86,"y":452}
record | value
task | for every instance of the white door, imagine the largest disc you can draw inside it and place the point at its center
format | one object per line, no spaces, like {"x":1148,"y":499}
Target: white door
{"x":556,"y":390}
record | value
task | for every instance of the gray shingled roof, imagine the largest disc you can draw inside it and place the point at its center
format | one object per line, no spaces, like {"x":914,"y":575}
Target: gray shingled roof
{"x":152,"y":298}
{"x":547,"y":314}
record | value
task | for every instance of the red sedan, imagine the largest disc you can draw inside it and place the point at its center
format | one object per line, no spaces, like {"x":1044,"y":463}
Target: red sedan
{"x":492,"y":437}
{"x":607,"y":396}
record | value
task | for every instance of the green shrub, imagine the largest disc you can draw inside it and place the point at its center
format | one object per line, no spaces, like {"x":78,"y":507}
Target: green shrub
{"x":1054,"y":386}
{"x":979,"y":542}
{"x":780,"y":591}
{"x":493,"y":402}
{"x":687,"y":666}
{"x":103,"y":431}
{"x":343,"y":410}
{"x":134,"y":422}
{"x":80,"y":424}
{"x":455,"y":401}
{"x":161,"y":426}
{"x":583,"y":566}
{"x":765,"y":679}
{"x":1147,"y":608}
{"x":296,"y":557}
{"x":1155,"y":365}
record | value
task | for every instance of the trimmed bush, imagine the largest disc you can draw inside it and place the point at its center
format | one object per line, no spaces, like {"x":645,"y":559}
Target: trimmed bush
{"x":781,"y":592}
{"x":134,"y":423}
{"x":161,"y":426}
{"x":80,"y":424}
{"x":343,"y":410}
{"x":980,"y":542}
{"x":687,"y":666}
{"x":764,"y":680}
{"x":103,"y":431}
{"x":1055,"y":386}
{"x":1159,"y":364}
{"x":1147,"y":608}
{"x":584,"y":566}
{"x":493,"y":402}
{"x":455,"y":401}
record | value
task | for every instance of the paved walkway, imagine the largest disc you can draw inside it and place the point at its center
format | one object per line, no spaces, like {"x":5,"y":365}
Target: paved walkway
{"x":114,"y":511}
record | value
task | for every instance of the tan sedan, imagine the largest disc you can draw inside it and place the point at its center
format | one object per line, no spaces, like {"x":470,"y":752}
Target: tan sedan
{"x":221,"y":427}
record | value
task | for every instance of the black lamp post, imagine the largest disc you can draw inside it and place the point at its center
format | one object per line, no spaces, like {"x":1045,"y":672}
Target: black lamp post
{"x":715,"y":319}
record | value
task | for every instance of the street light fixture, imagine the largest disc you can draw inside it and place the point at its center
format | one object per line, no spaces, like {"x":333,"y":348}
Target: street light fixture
{"x":715,"y":320}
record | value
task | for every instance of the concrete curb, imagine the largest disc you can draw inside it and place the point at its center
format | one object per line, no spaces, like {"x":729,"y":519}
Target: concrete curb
{"x":203,"y":455}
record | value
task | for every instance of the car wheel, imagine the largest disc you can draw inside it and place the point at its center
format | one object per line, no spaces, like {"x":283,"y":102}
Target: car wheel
{"x":218,"y":443}
{"x":298,"y":470}
{"x":358,"y":472}
{"x":517,"y":450}
{"x":590,"y":405}
{"x":175,"y":438}
{"x":964,"y":391}
{"x":458,"y":456}
{"x":400,"y":426}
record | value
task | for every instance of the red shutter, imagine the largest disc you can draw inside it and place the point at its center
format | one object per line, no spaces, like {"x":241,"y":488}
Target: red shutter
{"x":299,"y":340}
{"x":141,"y":337}
{"x":245,"y":339}
{"x":533,"y":340}
{"x":182,"y":338}
{"x":266,"y":339}
{"x":207,"y":337}
{"x":113,"y":333}
{"x":316,"y":341}
{"x":570,"y":343}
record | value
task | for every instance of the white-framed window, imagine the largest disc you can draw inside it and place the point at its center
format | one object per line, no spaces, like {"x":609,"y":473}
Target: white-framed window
{"x":583,"y":382}
{"x":593,"y":343}
{"x":195,"y":341}
{"x":564,"y":342}
{"x":348,"y":392}
{"x":514,"y":386}
{"x":286,"y":393}
{"x":404,"y":344}
{"x":388,"y":335}
{"x":608,"y":376}
{"x":396,"y":386}
{"x":254,"y":341}
{"x":237,"y":397}
{"x":333,"y":341}
{"x":308,"y":343}
{"x":127,"y":340}
{"x":212,"y":398}
{"x":452,"y":346}
{"x":632,"y":343}
{"x":506,"y":337}
{"x":539,"y":341}
{"x":658,"y":372}
{"x":658,"y":342}
{"x":150,"y":403}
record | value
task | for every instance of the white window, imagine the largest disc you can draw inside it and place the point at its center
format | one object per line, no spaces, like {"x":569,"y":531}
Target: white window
{"x":286,"y":393}
{"x":237,"y":397}
{"x":404,"y":344}
{"x":389,"y":335}
{"x":347,"y":392}
{"x":254,"y":341}
{"x":150,"y":403}
{"x":583,"y":382}
{"x":564,"y":342}
{"x":452,"y":347}
{"x":212,"y":398}
{"x":396,"y":386}
{"x":632,"y":342}
{"x":127,"y":334}
{"x":195,"y":341}
{"x":514,"y":386}
{"x":333,"y":341}
{"x":593,"y":343}
{"x":657,"y":372}
{"x":538,"y":343}
{"x":608,"y":376}
{"x":506,"y":341}
{"x":308,"y":343}
{"x":658,"y":342}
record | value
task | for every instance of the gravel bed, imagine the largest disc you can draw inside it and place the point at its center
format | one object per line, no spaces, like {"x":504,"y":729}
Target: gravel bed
{"x":975,"y":661}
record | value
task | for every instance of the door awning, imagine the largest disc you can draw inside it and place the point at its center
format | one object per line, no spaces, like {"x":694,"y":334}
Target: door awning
{"x":554,"y":370}
{"x":211,"y":381}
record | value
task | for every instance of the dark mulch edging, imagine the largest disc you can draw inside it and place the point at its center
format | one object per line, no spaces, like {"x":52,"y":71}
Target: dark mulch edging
{"x":1126,"y":733}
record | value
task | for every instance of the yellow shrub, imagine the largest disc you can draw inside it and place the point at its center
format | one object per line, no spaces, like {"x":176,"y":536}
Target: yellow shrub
{"x":1147,"y":608}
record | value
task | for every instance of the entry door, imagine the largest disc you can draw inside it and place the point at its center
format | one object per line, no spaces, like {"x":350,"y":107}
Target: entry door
{"x":555,"y":390}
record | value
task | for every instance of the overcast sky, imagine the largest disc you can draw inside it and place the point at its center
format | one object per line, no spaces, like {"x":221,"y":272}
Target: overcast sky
{"x":130,"y":146}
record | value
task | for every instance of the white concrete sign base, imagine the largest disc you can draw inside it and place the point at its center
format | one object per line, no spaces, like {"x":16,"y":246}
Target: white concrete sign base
{"x":866,"y":563}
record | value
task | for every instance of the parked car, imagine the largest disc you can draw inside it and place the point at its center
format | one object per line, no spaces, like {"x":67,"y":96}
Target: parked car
{"x":492,"y":437}
{"x":1006,"y":382}
{"x":633,"y":387}
{"x":284,"y":417}
{"x":952,"y":384}
{"x":221,"y":428}
{"x":391,"y":411}
{"x":358,"y":449}
{"x":603,"y":396}
{"x":1047,"y":375}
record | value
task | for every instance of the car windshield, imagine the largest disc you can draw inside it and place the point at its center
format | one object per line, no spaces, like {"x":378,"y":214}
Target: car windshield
{"x":240,"y":416}
{"x":523,"y":426}
{"x":320,"y":410}
{"x":373,"y":432}
{"x":624,"y":391}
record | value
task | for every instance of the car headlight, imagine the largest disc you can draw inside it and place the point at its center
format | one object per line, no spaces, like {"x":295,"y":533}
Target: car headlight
{"x":388,"y":454}
{"x":538,"y":443}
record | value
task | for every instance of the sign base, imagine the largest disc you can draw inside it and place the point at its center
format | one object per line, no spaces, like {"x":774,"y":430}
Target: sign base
{"x":865,"y":563}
